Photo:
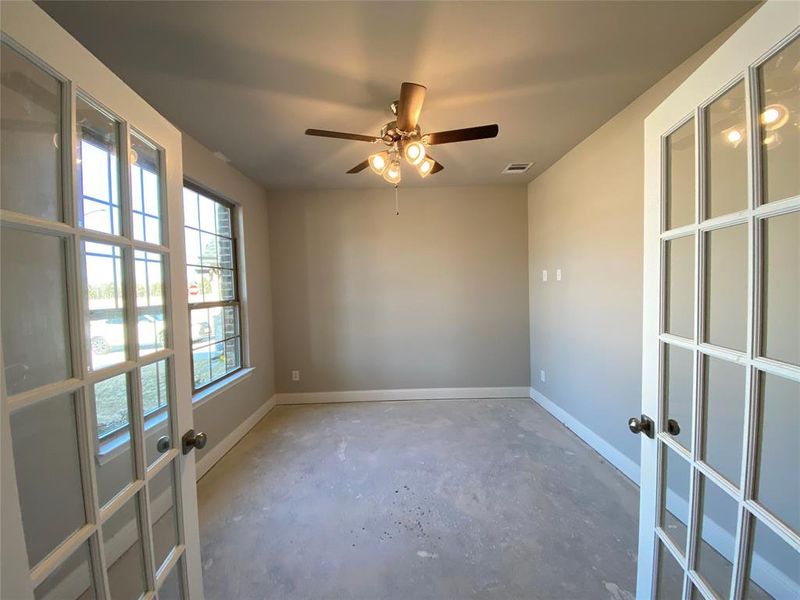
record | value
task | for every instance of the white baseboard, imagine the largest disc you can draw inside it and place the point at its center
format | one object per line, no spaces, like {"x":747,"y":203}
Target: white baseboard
{"x":621,"y":461}
{"x":402,"y":394}
{"x":230,"y":440}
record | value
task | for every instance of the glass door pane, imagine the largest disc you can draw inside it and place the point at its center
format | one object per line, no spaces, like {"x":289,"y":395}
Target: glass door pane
{"x":778,"y":118}
{"x":681,"y":176}
{"x":30,"y":139}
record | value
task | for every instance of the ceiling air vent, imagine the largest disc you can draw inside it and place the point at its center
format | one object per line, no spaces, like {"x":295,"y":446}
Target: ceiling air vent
{"x":516,"y":168}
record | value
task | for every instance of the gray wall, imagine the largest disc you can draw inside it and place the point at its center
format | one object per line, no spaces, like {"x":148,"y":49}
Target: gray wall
{"x":585,"y":216}
{"x":223,"y":413}
{"x":434,"y":297}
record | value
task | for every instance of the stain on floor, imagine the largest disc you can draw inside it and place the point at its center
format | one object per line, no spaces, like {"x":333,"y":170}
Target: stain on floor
{"x":416,"y":500}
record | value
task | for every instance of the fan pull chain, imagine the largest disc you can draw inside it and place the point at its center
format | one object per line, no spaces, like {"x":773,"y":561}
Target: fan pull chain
{"x":396,"y":202}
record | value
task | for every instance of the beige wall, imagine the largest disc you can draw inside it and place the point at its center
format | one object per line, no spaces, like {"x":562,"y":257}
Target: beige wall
{"x":434,"y":297}
{"x":223,"y":413}
{"x":585,"y":216}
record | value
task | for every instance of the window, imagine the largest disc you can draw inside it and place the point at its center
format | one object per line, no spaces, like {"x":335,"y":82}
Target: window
{"x":212,"y":279}
{"x":107,"y":275}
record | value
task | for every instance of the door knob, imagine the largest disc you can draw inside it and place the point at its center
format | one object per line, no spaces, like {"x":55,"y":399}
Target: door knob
{"x":642,"y":424}
{"x":673,"y":428}
{"x":162,"y":445}
{"x":194,"y":439}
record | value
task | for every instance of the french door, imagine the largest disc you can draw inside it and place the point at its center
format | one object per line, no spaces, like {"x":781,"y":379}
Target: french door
{"x":720,"y":484}
{"x":98,"y":498}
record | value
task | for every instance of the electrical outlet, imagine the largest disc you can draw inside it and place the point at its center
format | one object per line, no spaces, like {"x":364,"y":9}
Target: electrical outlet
{"x":295,"y":375}
{"x":544,"y":275}
{"x":558,"y":274}
{"x":542,"y":376}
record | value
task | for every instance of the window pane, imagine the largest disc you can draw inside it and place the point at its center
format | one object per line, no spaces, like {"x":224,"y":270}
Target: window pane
{"x":780,"y":135}
{"x":123,"y":549}
{"x":208,"y":249}
{"x":33,"y":305}
{"x":30,"y":105}
{"x":223,"y":220}
{"x":680,"y":176}
{"x":675,"y":497}
{"x":781,"y":301}
{"x":98,"y":168}
{"x":72,"y":579}
{"x":232,"y":357}
{"x":224,"y":321}
{"x":172,"y":588}
{"x":162,"y":514}
{"x":727,"y":153}
{"x":669,"y":581}
{"x":145,"y":190}
{"x":150,"y":301}
{"x":678,"y":385}
{"x":112,"y":412}
{"x":680,"y":286}
{"x":45,"y":441}
{"x":193,"y":251}
{"x":716,"y":546}
{"x":723,"y":403}
{"x":155,"y":396}
{"x":201,"y":364}
{"x":208,"y":214}
{"x":774,"y":566}
{"x":726,"y":294}
{"x":778,"y":481}
{"x":216,"y":354}
{"x":201,"y":327}
{"x":225,"y":253}
{"x":106,"y":304}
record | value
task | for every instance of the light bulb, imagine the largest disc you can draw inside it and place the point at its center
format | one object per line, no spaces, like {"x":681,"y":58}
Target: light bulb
{"x":392,"y":173}
{"x":378,"y":162}
{"x":415,"y":152}
{"x":425,"y":167}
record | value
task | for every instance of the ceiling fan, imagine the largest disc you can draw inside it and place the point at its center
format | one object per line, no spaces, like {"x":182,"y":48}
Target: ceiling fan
{"x":404,"y":138}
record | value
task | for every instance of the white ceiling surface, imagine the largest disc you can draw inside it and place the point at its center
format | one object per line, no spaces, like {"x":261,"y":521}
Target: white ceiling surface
{"x":248,"y":78}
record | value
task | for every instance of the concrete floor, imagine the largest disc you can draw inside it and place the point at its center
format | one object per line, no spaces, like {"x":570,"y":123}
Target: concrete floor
{"x":414,"y":500}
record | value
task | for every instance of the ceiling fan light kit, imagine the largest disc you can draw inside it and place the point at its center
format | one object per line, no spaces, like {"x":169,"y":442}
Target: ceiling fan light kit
{"x":405,"y":139}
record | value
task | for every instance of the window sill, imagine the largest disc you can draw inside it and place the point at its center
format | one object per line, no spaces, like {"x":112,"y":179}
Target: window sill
{"x":220,"y":386}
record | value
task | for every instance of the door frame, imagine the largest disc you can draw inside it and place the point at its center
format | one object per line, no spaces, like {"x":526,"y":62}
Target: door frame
{"x":768,"y":29}
{"x":30,"y":30}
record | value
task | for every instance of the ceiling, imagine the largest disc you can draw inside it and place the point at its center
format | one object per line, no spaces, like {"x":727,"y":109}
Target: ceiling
{"x":247,"y":78}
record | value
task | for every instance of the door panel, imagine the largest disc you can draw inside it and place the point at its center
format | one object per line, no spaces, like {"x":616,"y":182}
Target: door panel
{"x":95,"y":397}
{"x":720,"y":482}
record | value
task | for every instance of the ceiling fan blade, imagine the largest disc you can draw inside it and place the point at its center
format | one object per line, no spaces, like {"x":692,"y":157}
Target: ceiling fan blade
{"x":461,"y":135}
{"x":359,"y":167}
{"x":342,"y":136}
{"x":412,"y":95}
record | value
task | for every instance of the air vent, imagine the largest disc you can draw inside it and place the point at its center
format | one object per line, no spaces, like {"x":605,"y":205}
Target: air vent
{"x":516,"y":168}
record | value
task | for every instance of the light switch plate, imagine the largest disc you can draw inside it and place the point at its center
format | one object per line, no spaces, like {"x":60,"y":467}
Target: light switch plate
{"x":295,"y":375}
{"x":544,"y":275}
{"x":542,"y":376}
{"x":558,"y":274}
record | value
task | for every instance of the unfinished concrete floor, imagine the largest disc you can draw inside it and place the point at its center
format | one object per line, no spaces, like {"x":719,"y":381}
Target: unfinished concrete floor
{"x":414,"y":500}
